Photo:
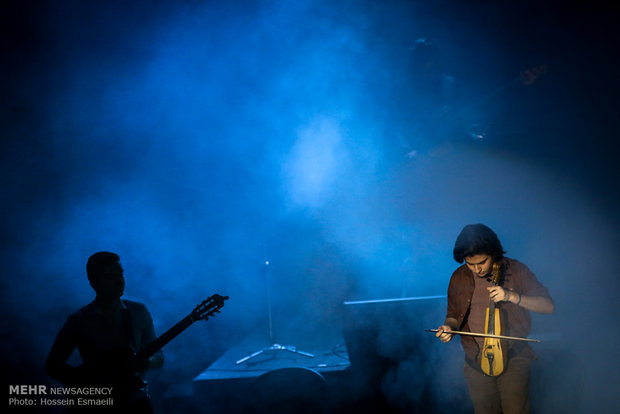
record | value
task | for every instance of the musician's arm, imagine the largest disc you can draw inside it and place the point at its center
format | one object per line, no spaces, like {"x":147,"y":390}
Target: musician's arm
{"x":450,"y":323}
{"x":148,"y":336}
{"x":56,"y":364}
{"x":540,"y":304}
{"x":157,"y":360}
{"x":534,"y":296}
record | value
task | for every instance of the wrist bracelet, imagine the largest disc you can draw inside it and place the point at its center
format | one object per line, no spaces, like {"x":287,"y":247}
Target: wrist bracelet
{"x":519,"y":301}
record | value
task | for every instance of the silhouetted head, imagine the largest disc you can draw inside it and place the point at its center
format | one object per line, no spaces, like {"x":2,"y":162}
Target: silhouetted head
{"x":105,"y":275}
{"x":477,"y":239}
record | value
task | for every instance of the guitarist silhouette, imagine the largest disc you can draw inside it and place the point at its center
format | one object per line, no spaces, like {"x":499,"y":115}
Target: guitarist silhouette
{"x":107,"y":333}
{"x":116,"y":340}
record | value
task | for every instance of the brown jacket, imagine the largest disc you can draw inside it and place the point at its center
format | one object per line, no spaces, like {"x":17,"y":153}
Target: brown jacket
{"x":516,"y":320}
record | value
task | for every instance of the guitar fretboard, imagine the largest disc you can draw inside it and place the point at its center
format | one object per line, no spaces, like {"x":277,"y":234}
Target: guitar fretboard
{"x":166,"y":337}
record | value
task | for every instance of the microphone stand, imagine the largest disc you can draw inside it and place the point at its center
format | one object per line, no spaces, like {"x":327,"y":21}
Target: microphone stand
{"x":275,"y":347}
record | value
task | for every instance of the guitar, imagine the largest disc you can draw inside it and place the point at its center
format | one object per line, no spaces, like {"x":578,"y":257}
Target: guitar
{"x":116,"y":368}
{"x":209,"y":307}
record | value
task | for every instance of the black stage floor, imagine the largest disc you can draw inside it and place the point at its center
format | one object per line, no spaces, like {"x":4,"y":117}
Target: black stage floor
{"x":379,"y":339}
{"x":264,"y":357}
{"x":381,"y":362}
{"x":230,"y":382}
{"x":228,"y":385}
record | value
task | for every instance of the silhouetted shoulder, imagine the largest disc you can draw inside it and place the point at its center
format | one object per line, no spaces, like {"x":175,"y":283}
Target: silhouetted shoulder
{"x":135,"y":307}
{"x":84,"y":312}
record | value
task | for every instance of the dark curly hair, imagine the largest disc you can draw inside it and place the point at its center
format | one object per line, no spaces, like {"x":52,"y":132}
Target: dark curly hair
{"x":477,"y":239}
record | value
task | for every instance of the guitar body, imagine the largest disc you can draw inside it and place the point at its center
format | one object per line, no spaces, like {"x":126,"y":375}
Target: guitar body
{"x":117,"y":367}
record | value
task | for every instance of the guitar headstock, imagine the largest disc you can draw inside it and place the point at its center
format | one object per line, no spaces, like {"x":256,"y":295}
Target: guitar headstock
{"x":208,"y":307}
{"x":495,"y":274}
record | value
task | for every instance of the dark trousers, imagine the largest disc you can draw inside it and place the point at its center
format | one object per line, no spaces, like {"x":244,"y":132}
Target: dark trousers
{"x":508,"y":393}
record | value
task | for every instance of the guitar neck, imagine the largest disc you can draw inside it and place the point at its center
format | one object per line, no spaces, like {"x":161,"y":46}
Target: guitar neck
{"x":491,"y":321}
{"x":166,"y":337}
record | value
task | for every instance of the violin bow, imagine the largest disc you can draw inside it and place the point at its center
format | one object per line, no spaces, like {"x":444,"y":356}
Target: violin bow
{"x":511,"y":338}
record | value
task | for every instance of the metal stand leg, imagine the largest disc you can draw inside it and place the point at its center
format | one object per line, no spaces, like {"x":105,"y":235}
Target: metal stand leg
{"x":274,"y":346}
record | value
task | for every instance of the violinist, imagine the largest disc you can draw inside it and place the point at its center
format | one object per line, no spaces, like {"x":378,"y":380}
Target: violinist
{"x":493,"y":295}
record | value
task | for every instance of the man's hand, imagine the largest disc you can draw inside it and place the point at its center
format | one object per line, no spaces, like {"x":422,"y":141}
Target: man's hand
{"x":443,"y":335}
{"x":140,"y":364}
{"x":499,"y":294}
